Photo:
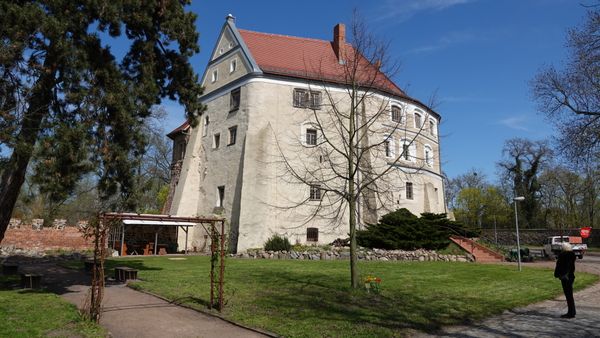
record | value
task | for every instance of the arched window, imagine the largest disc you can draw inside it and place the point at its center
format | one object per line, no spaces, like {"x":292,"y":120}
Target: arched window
{"x":409,"y":150}
{"x":205,"y":126}
{"x":389,"y":147}
{"x":428,"y":155}
{"x":418,"y":121}
{"x":232,"y":65}
{"x":397,"y":114}
{"x":432,"y":127}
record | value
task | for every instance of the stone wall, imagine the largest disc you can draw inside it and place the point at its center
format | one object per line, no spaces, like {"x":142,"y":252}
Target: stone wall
{"x":363,"y":254}
{"x":34,"y":237}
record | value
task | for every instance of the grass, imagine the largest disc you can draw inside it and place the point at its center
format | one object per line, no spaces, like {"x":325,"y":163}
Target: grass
{"x":452,"y":249}
{"x":312,"y":298}
{"x":27,"y":313}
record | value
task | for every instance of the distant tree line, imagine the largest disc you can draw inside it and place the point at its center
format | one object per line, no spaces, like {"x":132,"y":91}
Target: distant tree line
{"x":560,"y":180}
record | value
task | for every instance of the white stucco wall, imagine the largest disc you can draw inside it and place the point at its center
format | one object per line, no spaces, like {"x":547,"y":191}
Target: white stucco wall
{"x":259,"y":192}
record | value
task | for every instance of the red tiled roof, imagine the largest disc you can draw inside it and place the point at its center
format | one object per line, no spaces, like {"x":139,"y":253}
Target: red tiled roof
{"x":185,"y":126}
{"x":310,"y":59}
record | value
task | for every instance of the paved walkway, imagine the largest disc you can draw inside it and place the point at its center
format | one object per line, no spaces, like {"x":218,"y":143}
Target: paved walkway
{"x":541,"y":319}
{"x":129,"y":313}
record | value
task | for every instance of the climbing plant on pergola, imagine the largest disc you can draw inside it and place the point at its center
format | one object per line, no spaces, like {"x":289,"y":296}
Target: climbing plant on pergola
{"x":99,"y":229}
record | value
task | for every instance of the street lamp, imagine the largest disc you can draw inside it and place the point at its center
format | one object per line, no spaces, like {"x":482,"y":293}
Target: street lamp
{"x":518,"y":199}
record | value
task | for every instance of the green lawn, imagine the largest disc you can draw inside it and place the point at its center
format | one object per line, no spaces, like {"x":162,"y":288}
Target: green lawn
{"x":312,"y":298}
{"x":39,"y":314}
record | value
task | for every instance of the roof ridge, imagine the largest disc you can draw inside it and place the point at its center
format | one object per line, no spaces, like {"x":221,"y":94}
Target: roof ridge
{"x":284,"y":36}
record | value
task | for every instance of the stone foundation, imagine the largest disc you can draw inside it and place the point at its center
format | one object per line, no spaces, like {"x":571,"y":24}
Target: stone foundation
{"x":363,"y":254}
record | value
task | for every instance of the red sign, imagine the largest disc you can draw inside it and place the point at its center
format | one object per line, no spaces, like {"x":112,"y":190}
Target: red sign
{"x":585,"y":232}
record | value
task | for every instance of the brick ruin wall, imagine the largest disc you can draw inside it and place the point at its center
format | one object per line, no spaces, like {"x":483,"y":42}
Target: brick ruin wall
{"x":34,"y":236}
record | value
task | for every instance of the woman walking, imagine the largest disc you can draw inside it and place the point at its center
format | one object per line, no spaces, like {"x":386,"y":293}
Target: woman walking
{"x":565,"y":271}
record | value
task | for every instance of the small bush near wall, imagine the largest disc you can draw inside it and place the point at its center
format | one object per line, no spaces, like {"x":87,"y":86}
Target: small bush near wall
{"x":278,"y":243}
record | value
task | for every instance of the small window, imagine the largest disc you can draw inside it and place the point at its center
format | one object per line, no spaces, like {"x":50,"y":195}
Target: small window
{"x":205,"y":126}
{"x":312,"y":235}
{"x":315,"y":100}
{"x":311,"y":137}
{"x":418,"y":121}
{"x":216,"y":140}
{"x":396,"y":114}
{"x":409,"y":191}
{"x":181,"y":150}
{"x":431,"y":127}
{"x":315,"y":192}
{"x":231,"y":44}
{"x":221,"y":51}
{"x":388,"y":147}
{"x":405,"y":151}
{"x":232,"y":135}
{"x":409,"y":151}
{"x":234,"y":100}
{"x":220,"y":195}
{"x":233,"y":65}
{"x":428,"y":156}
{"x":305,"y":99}
{"x":215,"y":75}
{"x":300,"y":98}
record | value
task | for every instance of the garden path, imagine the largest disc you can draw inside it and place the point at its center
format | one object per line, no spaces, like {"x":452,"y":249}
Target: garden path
{"x":541,"y":319}
{"x":129,"y":313}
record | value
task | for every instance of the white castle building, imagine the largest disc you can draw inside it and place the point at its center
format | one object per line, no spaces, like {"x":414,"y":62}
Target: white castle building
{"x":265,"y":95}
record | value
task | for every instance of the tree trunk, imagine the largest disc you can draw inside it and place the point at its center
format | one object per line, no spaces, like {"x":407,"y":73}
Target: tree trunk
{"x":354,"y":277}
{"x":14,"y":173}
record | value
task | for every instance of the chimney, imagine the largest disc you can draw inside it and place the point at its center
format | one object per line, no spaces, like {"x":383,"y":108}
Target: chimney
{"x":339,"y":42}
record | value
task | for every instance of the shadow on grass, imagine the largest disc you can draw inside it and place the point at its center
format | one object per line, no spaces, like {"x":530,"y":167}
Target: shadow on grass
{"x":138,"y":264}
{"x":59,"y":275}
{"x":191,"y":300}
{"x":318,"y":298}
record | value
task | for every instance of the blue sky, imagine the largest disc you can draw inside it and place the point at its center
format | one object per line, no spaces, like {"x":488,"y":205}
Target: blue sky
{"x":478,"y":54}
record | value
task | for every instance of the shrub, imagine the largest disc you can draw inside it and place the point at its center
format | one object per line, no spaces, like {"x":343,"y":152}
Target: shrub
{"x":403,"y":230}
{"x":277,"y":243}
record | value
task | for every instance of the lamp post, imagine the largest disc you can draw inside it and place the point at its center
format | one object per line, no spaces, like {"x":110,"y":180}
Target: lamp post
{"x":515,"y":200}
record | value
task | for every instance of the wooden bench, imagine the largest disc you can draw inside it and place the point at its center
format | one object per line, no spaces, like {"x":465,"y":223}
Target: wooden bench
{"x":10,"y":268}
{"x":31,"y":281}
{"x":124,"y":273}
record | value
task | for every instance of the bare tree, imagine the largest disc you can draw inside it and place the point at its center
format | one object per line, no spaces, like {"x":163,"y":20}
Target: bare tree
{"x":350,"y":154}
{"x":570,"y":197}
{"x":570,"y":97}
{"x":523,"y":163}
{"x":475,"y":178}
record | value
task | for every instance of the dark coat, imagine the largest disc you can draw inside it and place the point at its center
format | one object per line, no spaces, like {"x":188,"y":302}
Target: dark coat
{"x":565,"y":265}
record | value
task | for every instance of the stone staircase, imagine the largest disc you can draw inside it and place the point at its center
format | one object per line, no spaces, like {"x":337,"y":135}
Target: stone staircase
{"x":481,"y":253}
